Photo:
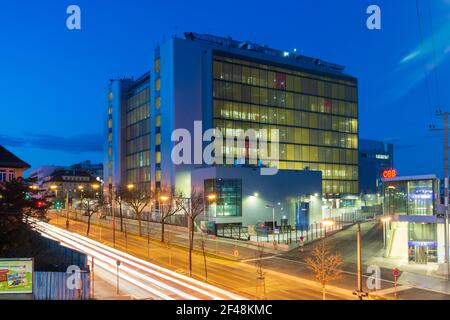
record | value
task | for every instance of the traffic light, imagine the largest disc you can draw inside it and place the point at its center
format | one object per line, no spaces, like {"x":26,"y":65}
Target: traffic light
{"x":40,"y":204}
{"x":57,"y":204}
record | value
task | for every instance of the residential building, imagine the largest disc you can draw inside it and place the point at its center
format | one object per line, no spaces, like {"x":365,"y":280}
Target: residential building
{"x":11,"y":166}
{"x":64,"y":183}
{"x":40,"y":174}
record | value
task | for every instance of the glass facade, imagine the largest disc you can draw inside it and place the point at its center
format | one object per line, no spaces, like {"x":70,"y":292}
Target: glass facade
{"x":422,"y":242}
{"x":228,"y":202}
{"x":138,"y":135}
{"x":414,"y":197}
{"x":317,"y":116}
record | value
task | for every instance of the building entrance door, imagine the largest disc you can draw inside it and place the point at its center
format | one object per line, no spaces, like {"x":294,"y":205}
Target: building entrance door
{"x":422,"y":254}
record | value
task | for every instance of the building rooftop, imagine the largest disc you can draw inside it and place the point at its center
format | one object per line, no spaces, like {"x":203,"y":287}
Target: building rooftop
{"x":248,"y":46}
{"x":59,"y":174}
{"x":9,"y":160}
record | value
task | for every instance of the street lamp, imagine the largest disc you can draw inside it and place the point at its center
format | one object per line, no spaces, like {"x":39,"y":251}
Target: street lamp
{"x":385,"y":220}
{"x":327,"y":223}
{"x":130,"y":186}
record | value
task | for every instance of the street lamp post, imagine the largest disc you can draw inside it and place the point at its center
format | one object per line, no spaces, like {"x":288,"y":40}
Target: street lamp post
{"x":326,"y":223}
{"x":359,"y":293}
{"x":81,"y":188}
{"x":385,"y":220}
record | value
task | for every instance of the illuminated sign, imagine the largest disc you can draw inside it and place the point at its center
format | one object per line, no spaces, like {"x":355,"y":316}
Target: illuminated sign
{"x":382,"y":157}
{"x":422,"y":243}
{"x":389,"y":174}
{"x":16,"y":276}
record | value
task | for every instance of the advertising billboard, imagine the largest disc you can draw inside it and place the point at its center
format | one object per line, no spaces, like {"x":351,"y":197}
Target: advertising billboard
{"x":16,"y":276}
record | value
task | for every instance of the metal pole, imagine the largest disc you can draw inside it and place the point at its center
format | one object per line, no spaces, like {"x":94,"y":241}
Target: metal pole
{"x":118,"y":265}
{"x":93,"y":277}
{"x":446,"y":191}
{"x":67,"y":209}
{"x":111,"y":195}
{"x":273,"y":218}
{"x":384,"y":235}
{"x":358,"y":258}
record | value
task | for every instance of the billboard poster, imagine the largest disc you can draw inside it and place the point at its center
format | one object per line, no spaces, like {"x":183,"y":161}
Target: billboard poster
{"x":16,"y":276}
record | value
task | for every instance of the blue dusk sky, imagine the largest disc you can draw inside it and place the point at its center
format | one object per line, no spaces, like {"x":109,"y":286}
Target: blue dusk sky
{"x":53,"y":81}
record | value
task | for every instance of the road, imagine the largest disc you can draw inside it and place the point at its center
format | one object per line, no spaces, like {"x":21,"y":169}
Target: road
{"x":237,"y":277}
{"x":344,"y":242}
{"x":158,"y":282}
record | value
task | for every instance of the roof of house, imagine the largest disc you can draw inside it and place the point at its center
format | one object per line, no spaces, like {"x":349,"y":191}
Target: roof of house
{"x":9,"y":160}
{"x":65,"y":175}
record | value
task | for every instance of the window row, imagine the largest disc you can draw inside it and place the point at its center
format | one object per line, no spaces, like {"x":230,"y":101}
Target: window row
{"x":290,"y":152}
{"x":139,"y":144}
{"x":261,"y":96}
{"x":289,"y":134}
{"x":138,"y":176}
{"x":292,"y":72}
{"x":340,"y":187}
{"x":261,"y":114}
{"x":138,"y":160}
{"x":282,"y":81}
{"x":138,"y":114}
{"x":138,"y":99}
{"x":138,"y":129}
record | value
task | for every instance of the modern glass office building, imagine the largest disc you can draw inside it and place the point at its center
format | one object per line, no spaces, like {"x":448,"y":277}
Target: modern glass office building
{"x":232,"y":85}
{"x":415,"y":232}
{"x":127,"y":154}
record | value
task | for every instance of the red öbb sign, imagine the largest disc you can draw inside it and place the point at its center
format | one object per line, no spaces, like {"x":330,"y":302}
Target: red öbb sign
{"x":388,"y":174}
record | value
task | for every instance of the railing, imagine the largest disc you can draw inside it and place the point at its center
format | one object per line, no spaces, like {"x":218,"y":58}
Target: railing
{"x":232,"y":232}
{"x":290,"y":234}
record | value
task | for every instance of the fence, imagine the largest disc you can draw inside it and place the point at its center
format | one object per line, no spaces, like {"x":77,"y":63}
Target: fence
{"x":232,"y":232}
{"x":53,"y":286}
{"x":314,"y":231}
{"x":154,"y":216}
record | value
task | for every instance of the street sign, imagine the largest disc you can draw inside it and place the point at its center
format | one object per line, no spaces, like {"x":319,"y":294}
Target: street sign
{"x":396,"y":272}
{"x":360,"y":294}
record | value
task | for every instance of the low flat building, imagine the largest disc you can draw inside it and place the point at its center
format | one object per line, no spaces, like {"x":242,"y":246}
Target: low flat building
{"x":244,"y":197}
{"x":11,"y":166}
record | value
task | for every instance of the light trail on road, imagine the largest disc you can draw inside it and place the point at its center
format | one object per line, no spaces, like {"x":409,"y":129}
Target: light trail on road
{"x":159,"y":282}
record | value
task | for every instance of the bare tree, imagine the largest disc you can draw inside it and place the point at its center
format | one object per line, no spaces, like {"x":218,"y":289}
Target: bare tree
{"x":138,"y":199}
{"x":326,"y":266}
{"x":192,"y":207}
{"x":91,"y":204}
{"x":168,"y":206}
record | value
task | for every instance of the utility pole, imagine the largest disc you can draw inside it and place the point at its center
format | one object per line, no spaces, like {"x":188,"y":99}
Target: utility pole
{"x":113,"y":216}
{"x":359,"y":293}
{"x":446,"y":147}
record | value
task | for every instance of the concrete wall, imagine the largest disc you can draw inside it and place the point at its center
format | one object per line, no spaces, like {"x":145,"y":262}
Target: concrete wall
{"x":399,"y":249}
